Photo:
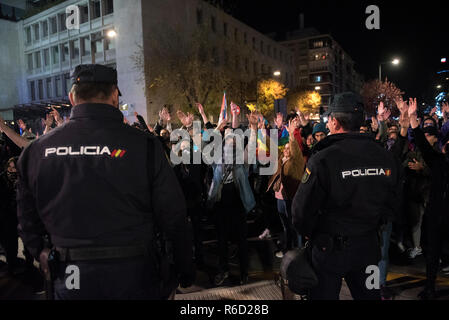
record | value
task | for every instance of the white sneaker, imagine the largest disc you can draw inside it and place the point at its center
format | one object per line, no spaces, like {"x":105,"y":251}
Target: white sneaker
{"x":265,"y":234}
{"x":413,"y":253}
{"x":401,"y":246}
{"x":279,"y":254}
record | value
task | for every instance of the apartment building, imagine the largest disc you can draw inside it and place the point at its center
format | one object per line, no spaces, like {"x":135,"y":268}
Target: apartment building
{"x":321,"y":64}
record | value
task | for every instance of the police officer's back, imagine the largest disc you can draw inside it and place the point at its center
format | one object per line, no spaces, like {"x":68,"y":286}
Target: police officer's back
{"x":102,"y":190}
{"x":348,"y":188}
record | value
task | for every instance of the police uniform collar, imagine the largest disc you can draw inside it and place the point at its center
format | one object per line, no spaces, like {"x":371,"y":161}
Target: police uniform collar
{"x":333,"y":138}
{"x":96,"y":110}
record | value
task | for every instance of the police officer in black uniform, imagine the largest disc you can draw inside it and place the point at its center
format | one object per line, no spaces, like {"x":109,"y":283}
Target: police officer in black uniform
{"x":349,"y":187}
{"x":102,"y":190}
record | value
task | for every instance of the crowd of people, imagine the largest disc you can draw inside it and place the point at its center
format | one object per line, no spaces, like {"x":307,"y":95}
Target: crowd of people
{"x":227,"y":192}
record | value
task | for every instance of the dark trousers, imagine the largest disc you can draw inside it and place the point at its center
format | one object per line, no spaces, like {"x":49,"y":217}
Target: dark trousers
{"x":230,"y":222}
{"x":111,"y":280}
{"x":290,"y":239}
{"x":434,"y":235}
{"x":195,"y":214}
{"x":349,"y":262}
{"x":9,"y":238}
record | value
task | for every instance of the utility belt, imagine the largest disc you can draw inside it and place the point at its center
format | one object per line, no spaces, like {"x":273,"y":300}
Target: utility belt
{"x":339,"y":242}
{"x":100,"y":253}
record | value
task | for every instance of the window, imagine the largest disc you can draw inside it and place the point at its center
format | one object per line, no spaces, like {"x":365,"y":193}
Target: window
{"x":262,"y":68}
{"x":36,"y":31}
{"x":32,"y":91}
{"x":46,"y":57}
{"x":28,"y":34}
{"x":62,"y":22}
{"x":236,"y":35}
{"x":109,"y":43}
{"x":269,"y":50}
{"x":275,"y":53}
{"x":37,"y":59}
{"x":108,"y":7}
{"x":318,"y":44}
{"x":261,"y":46}
{"x":281,"y":57}
{"x":246,"y":65}
{"x":317,"y":78}
{"x":84,"y":14}
{"x":213,"y":24}
{"x":75,"y":49}
{"x":245,"y":38}
{"x":255,"y":67}
{"x":53,"y":25}
{"x":65,"y":52}
{"x":237,"y":63}
{"x":45,"y":29}
{"x":97,"y":45}
{"x":30,"y":62}
{"x":55,"y":54}
{"x":96,"y":9}
{"x":68,"y":83}
{"x":226,"y":58}
{"x":199,"y":16}
{"x":254,"y":43}
{"x":40,"y":89}
{"x":58,"y":88}
{"x":85,"y":46}
{"x":49,"y":88}
{"x":225,"y":29}
{"x":215,"y":56}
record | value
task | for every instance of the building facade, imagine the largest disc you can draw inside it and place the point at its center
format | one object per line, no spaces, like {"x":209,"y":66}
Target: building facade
{"x":321,"y":64}
{"x":47,"y":52}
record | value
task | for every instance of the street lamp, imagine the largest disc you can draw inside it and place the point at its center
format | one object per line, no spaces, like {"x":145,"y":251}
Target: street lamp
{"x":112,"y":34}
{"x":317,"y":88}
{"x":439,"y":86}
{"x":277,"y":73}
{"x":394,"y":62}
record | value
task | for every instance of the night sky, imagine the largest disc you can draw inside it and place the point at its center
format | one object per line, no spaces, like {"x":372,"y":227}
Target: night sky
{"x":417,"y":32}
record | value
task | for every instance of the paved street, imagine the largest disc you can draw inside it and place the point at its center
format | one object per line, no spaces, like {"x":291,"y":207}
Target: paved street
{"x":406,"y":281}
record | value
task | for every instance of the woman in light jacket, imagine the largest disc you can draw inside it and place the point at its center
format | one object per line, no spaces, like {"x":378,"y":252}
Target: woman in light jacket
{"x":285,"y":182}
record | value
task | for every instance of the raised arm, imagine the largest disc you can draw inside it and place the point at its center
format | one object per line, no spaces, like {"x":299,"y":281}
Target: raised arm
{"x":428,"y":153}
{"x":14,"y":136}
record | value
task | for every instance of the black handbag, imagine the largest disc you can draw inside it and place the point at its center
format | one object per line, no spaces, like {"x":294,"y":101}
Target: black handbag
{"x":296,"y":269}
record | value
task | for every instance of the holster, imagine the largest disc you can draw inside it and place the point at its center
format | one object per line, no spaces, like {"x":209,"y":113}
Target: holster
{"x":50,"y":266}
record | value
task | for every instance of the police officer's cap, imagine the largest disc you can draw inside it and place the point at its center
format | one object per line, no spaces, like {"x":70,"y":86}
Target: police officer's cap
{"x":346,"y":102}
{"x":94,"y":73}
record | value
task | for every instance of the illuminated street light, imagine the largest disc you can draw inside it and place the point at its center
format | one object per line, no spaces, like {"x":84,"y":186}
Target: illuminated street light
{"x":439,"y":86}
{"x":317,"y":88}
{"x":112,"y":34}
{"x":394,"y":62}
{"x":277,"y":73}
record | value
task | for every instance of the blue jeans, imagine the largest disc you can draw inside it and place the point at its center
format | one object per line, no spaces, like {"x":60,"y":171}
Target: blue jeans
{"x":383,"y":263}
{"x":290,"y":238}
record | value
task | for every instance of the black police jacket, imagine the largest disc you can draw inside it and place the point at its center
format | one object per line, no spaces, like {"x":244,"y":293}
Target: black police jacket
{"x":96,"y":181}
{"x":349,"y":186}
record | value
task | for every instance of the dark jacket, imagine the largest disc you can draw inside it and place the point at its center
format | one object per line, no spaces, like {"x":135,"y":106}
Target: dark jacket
{"x":97,"y":182}
{"x":437,"y":208}
{"x":347,"y":188}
